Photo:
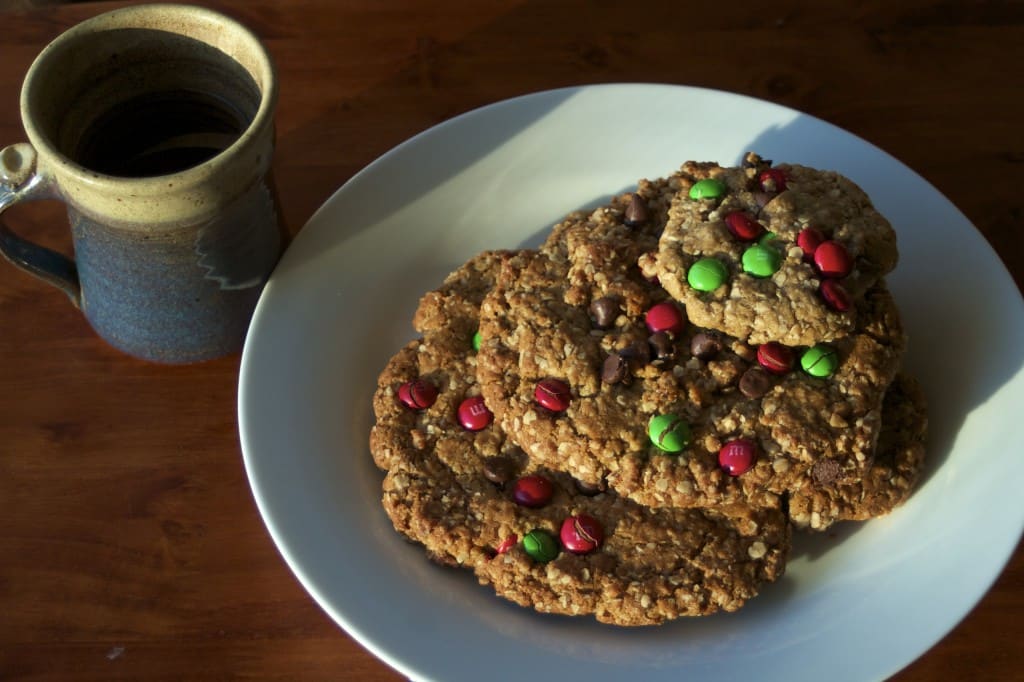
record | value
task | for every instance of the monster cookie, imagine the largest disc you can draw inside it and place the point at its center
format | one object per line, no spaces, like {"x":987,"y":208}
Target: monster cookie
{"x":452,"y":310}
{"x":666,"y":413}
{"x":771,"y":253}
{"x":894,"y":472}
{"x":455,"y":484}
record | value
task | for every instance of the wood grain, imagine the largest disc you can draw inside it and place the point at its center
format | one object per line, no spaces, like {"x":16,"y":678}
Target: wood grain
{"x":130,"y":546}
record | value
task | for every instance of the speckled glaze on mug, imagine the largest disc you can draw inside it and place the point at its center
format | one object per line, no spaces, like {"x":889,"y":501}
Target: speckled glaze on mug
{"x":174,"y":226}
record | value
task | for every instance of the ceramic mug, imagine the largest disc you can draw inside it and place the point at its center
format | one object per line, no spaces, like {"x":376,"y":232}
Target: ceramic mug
{"x":154,"y":125}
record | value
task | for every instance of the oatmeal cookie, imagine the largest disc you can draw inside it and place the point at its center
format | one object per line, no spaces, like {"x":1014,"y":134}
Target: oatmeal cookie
{"x":888,"y":483}
{"x":456,"y":485}
{"x":771,"y":253}
{"x":452,"y":311}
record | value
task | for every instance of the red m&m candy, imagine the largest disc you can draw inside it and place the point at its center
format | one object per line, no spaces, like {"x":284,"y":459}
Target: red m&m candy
{"x":772,"y":180}
{"x":552,"y":394}
{"x":835,"y":295}
{"x":473,"y":414}
{"x":665,"y":317}
{"x":809,"y":239}
{"x":737,"y":456}
{"x":507,"y":544}
{"x":581,"y":534}
{"x":832,"y":259}
{"x":417,"y":394}
{"x":775,"y":357}
{"x":532,"y":491}
{"x":743,"y":227}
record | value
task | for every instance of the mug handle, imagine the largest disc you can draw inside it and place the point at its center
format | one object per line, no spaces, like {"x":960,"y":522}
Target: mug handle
{"x":19,"y":182}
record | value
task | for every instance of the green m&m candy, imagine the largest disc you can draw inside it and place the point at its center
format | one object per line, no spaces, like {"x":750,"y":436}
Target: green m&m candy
{"x":540,"y":545}
{"x":761,"y":260}
{"x":476,"y":340}
{"x":669,"y":432}
{"x":707,"y":274}
{"x":708,"y":188}
{"x":820,"y":360}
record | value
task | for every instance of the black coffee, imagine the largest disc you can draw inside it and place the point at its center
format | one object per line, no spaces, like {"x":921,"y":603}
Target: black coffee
{"x":163,"y":104}
{"x":160,"y":133}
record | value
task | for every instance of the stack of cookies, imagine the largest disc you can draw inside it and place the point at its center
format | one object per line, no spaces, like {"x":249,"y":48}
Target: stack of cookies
{"x":631,"y":420}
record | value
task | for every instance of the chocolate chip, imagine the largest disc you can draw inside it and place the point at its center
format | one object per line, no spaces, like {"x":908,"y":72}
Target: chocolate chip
{"x":705,"y":345}
{"x":825,"y":471}
{"x":636,"y":213}
{"x":499,"y":469}
{"x":637,"y":355}
{"x":662,"y":347}
{"x":615,"y":369}
{"x":755,"y":382}
{"x":603,"y":311}
{"x":589,"y":489}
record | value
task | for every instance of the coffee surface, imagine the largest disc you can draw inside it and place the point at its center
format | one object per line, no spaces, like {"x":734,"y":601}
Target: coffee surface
{"x":160,"y":133}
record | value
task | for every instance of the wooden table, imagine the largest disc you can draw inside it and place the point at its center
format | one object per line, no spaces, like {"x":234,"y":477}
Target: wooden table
{"x":130,"y":546}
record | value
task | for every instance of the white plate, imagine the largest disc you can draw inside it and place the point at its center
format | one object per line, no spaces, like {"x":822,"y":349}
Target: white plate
{"x":857,"y":605}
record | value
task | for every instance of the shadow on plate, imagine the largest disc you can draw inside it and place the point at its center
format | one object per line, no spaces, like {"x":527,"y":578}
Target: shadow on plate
{"x":369,"y":202}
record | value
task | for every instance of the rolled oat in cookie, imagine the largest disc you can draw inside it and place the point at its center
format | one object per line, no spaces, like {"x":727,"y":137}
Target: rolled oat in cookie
{"x":791,"y":249}
{"x":458,"y":486}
